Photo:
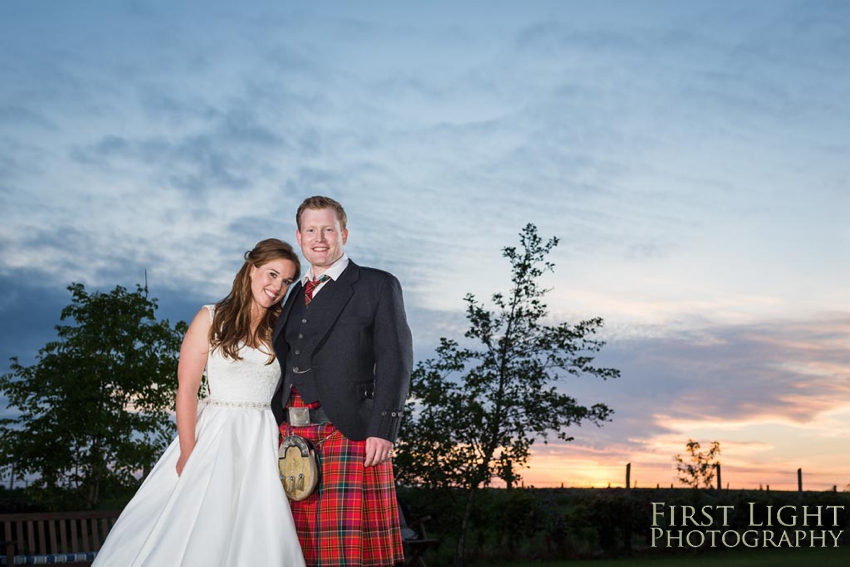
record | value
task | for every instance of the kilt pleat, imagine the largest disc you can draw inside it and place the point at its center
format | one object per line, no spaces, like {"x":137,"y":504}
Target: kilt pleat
{"x":352,"y":519}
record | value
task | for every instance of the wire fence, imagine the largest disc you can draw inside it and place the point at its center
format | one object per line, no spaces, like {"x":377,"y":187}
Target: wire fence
{"x":653,"y":475}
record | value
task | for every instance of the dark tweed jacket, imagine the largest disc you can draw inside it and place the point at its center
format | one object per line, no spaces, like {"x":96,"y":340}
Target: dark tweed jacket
{"x":362,"y":361}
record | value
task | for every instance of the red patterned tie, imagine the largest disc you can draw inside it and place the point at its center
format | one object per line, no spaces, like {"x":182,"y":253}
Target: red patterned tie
{"x":311,"y":287}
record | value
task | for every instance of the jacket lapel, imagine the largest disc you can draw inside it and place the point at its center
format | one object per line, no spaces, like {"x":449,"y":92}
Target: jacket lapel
{"x":334,"y":298}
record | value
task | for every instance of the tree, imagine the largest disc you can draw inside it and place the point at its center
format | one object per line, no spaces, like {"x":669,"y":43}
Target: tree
{"x":699,"y":468}
{"x":475,"y":411}
{"x":96,"y":407}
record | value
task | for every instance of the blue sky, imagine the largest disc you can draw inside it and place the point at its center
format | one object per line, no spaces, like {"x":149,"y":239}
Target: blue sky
{"x":692,"y":157}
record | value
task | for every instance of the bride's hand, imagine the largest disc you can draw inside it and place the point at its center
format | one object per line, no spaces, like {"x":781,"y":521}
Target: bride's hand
{"x":181,"y":462}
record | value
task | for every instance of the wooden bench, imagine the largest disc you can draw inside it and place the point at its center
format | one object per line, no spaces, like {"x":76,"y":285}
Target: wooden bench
{"x":69,"y":538}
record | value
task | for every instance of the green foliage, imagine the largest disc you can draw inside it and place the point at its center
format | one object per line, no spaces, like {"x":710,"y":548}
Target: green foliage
{"x":537,"y":525}
{"x":699,"y":468}
{"x":95,"y":409}
{"x":475,"y":411}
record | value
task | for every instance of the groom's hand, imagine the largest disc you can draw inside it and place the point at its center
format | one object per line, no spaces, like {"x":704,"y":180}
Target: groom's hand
{"x":377,"y":451}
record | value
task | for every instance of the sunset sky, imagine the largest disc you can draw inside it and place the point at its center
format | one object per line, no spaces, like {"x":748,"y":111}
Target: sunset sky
{"x":691,"y":156}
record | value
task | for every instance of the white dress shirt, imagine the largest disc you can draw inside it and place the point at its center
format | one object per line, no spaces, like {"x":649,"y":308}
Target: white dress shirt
{"x":333,"y":273}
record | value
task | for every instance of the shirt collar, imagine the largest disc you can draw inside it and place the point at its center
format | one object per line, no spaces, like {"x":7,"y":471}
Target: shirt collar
{"x":333,"y":272}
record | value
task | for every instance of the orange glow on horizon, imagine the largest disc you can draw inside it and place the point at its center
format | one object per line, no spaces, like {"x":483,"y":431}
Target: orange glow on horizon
{"x":570,"y":472}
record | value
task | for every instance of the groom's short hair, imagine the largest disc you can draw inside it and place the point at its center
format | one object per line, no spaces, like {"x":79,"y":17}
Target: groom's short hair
{"x":319,"y":202}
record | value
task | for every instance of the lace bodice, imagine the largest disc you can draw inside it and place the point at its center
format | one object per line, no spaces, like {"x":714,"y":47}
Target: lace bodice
{"x":250,"y":380}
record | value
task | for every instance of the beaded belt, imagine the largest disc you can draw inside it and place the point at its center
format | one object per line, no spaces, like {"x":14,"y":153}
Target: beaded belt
{"x":225,"y":403}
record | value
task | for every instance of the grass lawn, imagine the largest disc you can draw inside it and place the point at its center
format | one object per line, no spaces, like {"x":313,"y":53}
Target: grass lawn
{"x":783,"y":557}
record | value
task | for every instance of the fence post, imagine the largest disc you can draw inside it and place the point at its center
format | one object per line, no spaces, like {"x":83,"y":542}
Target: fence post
{"x":627,"y":513}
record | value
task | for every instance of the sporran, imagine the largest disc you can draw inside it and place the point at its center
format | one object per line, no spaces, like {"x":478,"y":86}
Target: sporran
{"x":299,"y":467}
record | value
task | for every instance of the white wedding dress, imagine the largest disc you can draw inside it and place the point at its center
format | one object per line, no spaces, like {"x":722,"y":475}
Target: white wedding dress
{"x":228,"y":507}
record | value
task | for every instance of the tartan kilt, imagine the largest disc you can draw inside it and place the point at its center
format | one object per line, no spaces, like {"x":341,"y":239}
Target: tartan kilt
{"x":352,"y":518}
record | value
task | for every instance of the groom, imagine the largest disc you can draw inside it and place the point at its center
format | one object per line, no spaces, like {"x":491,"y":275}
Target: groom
{"x":346,"y":353}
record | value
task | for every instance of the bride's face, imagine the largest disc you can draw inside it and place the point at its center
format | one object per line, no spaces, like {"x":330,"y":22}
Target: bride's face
{"x":270,"y":281}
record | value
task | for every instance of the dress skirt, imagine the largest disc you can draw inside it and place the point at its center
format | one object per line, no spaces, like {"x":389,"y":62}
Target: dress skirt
{"x":227,"y":509}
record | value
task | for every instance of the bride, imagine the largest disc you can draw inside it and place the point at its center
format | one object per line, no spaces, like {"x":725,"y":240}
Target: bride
{"x":214,"y":497}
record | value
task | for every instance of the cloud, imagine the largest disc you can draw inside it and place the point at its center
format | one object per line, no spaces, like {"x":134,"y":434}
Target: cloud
{"x":691,"y":159}
{"x":766,"y":391}
{"x":222,"y":157}
{"x":14,"y":115}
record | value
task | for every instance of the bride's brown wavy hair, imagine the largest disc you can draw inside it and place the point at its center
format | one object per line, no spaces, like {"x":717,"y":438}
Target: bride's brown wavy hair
{"x":231,"y":324}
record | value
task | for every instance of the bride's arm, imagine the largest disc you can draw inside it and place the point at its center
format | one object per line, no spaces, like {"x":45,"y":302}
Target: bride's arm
{"x":190,"y":369}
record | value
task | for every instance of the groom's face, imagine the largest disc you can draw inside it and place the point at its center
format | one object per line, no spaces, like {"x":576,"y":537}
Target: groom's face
{"x":321,"y":237}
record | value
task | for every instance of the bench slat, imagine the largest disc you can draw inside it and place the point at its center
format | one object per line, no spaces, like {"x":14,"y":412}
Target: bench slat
{"x":51,"y":532}
{"x":31,"y":535}
{"x":75,"y":542}
{"x":42,"y":539}
{"x":63,"y":537}
{"x":84,"y":533}
{"x":95,"y":533}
